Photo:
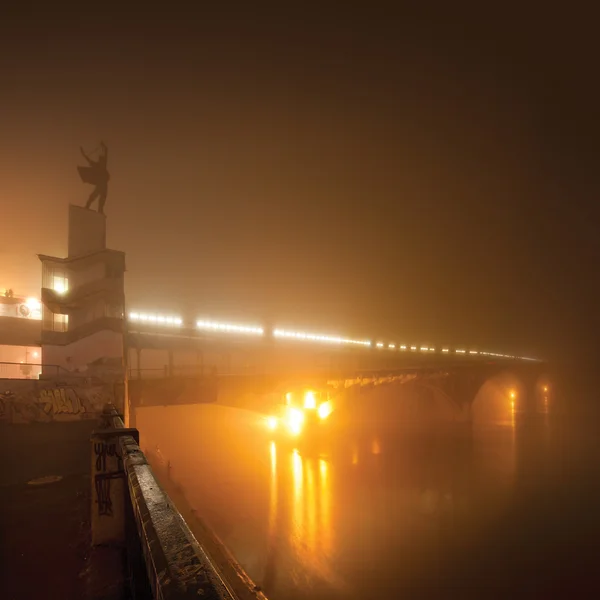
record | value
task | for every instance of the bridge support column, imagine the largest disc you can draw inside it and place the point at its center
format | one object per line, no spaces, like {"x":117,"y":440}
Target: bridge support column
{"x":227,"y":362}
{"x":170,"y":367}
{"x":531,"y":393}
{"x":462,"y":388}
{"x":138,"y":352}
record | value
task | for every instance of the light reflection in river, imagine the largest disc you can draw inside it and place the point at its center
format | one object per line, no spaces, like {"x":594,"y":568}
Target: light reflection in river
{"x":381,"y":499}
{"x":311,"y":528}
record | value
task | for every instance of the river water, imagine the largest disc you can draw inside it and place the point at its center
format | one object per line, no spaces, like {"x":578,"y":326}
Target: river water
{"x":499,"y":503}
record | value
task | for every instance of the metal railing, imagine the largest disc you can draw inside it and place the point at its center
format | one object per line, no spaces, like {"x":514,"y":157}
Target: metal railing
{"x":164,"y":559}
{"x":19,"y":370}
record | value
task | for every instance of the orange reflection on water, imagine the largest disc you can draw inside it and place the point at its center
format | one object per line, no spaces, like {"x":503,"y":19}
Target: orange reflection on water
{"x":325,"y":514}
{"x":273,"y":490}
{"x":298,"y":493}
{"x":311,"y":534}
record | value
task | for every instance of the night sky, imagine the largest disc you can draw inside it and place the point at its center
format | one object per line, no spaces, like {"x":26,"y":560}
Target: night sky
{"x":426,"y":180}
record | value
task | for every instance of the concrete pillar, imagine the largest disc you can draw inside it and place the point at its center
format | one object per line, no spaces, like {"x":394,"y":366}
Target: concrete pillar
{"x":227,"y":362}
{"x":200,"y":362}
{"x":531,"y":391}
{"x":170,"y":369}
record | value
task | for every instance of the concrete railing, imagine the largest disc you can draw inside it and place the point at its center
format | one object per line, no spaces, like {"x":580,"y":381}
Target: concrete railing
{"x":130,"y":509}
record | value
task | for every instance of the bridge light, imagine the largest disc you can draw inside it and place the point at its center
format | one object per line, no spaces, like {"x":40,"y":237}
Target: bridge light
{"x":272,"y":423}
{"x":545,"y":388}
{"x":445,"y":350}
{"x":315,"y":337}
{"x":473,"y":352}
{"x":392,"y":346}
{"x":424,"y":349}
{"x":380,"y":344}
{"x":229,"y":327}
{"x":402,"y":347}
{"x":413,"y":347}
{"x":460,"y":351}
{"x":431,"y":349}
{"x":155,"y":319}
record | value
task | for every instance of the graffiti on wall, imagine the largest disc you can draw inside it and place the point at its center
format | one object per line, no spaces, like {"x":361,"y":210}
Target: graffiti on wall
{"x":106,"y":452}
{"x":61,"y":400}
{"x":30,"y":401}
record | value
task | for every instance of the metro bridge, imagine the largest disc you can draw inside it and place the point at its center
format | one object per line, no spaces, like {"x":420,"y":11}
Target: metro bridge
{"x":175,"y":361}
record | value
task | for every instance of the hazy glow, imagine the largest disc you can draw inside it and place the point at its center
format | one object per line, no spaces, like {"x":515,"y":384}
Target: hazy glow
{"x":310,"y":400}
{"x":295,"y":420}
{"x":314,"y":337}
{"x":158,"y":319}
{"x":60,"y":284}
{"x":272,"y":423}
{"x":325,"y":409}
{"x":33,"y":303}
{"x":35,"y":308}
{"x":229,"y":327}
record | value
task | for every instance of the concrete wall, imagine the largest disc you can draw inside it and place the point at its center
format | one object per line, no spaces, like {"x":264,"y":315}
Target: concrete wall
{"x":175,"y":390}
{"x":20,"y":332}
{"x":75,"y":399}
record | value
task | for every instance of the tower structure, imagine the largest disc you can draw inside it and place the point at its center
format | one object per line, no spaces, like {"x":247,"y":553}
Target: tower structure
{"x":83,"y":301}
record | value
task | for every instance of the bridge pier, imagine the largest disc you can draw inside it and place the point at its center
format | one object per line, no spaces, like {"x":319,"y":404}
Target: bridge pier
{"x":531,"y":393}
{"x":462,"y":387}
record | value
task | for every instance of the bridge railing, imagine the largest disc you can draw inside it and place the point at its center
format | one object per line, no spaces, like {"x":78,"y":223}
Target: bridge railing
{"x":131,"y":509}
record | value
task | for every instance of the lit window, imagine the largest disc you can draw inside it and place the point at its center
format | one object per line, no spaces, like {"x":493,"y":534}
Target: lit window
{"x":60,"y":284}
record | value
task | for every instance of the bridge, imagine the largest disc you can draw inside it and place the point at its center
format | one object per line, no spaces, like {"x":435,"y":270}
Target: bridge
{"x":177,"y":361}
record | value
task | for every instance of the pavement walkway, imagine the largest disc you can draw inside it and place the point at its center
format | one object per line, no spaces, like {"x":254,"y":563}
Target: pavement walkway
{"x":45,"y":515}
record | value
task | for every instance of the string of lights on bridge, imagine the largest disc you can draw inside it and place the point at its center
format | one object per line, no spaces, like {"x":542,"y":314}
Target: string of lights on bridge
{"x":255,"y":330}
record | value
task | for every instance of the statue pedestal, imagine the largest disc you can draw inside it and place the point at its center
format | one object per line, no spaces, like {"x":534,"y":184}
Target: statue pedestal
{"x":87,"y":231}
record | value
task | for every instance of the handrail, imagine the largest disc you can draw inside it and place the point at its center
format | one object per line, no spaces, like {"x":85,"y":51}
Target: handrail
{"x":176,"y":564}
{"x":58,"y":369}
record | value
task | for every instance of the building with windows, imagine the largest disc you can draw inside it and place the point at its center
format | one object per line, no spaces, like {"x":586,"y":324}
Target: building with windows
{"x":83,"y":299}
{"x":20,"y":336}
{"x":79,"y":323}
